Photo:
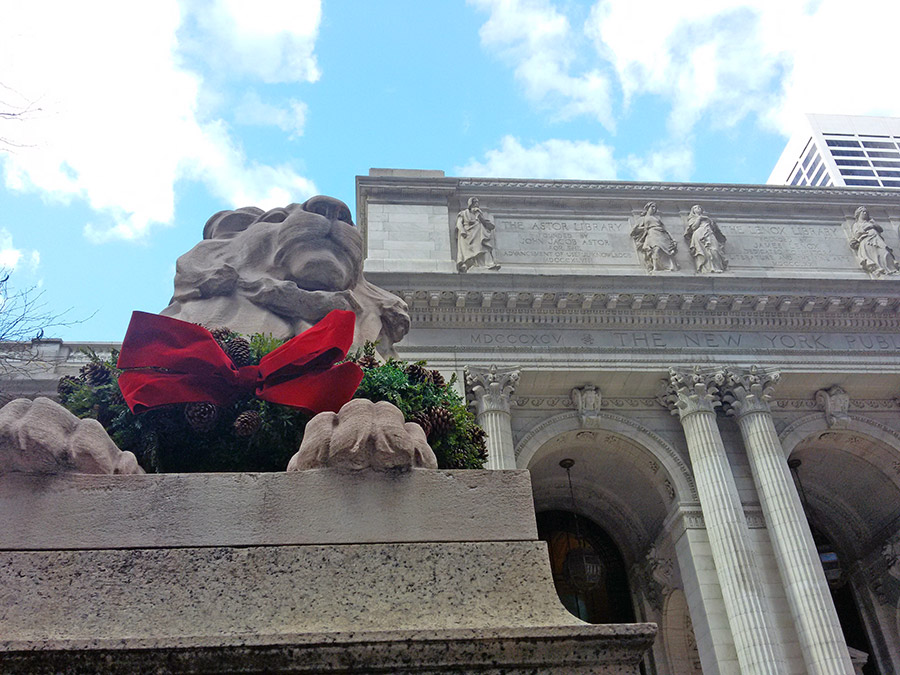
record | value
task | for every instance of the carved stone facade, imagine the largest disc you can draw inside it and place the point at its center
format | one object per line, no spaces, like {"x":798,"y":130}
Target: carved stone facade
{"x":764,"y":313}
{"x":766,"y":337}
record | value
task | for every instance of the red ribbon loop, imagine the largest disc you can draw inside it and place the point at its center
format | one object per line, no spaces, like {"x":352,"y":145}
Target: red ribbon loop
{"x":168,"y":361}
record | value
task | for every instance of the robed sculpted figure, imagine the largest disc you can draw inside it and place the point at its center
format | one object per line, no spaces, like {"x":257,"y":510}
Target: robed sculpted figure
{"x":653,"y":241}
{"x":282,"y":270}
{"x":866,"y":239}
{"x":706,"y":241}
{"x":474,"y":238}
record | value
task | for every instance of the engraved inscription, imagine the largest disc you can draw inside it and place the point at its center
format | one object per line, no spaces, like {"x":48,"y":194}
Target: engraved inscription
{"x":798,"y":246}
{"x":648,"y":341}
{"x":558,"y":241}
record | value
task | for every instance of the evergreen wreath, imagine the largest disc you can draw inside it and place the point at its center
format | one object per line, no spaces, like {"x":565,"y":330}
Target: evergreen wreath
{"x":254,"y":435}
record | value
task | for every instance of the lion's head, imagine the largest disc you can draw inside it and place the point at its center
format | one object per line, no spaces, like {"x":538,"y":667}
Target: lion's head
{"x":281,"y":270}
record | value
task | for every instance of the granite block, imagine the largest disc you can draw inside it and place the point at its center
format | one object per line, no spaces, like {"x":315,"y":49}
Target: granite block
{"x":254,"y":509}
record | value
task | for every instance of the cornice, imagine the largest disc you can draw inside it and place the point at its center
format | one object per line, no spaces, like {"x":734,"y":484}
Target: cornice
{"x":852,"y":314}
{"x":674,"y":188}
{"x":447,"y":184}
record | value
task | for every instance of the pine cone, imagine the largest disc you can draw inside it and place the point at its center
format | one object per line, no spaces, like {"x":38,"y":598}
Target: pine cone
{"x":116,"y":397}
{"x":367,"y":361}
{"x":441,"y":420}
{"x":66,"y":385}
{"x":220,"y":333}
{"x":247,"y":423}
{"x":417,"y":373}
{"x":95,"y":373}
{"x":423,"y":420}
{"x":437,"y":378}
{"x":478,"y":438}
{"x":238,"y":350}
{"x":201,"y":416}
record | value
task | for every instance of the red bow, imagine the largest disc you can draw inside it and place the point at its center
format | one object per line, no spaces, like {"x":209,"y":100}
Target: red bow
{"x":169,"y":361}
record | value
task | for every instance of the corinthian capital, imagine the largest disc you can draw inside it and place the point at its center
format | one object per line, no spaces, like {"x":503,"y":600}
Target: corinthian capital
{"x":748,"y":391}
{"x":490,"y":388}
{"x":690,"y":391}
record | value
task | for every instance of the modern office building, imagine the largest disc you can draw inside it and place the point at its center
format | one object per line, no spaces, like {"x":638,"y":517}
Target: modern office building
{"x":842,"y":150}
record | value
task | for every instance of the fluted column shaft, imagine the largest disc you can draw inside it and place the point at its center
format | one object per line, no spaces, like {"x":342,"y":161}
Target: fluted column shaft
{"x":818,"y":629}
{"x":490,"y":391}
{"x":694,"y":398}
{"x":496,"y":424}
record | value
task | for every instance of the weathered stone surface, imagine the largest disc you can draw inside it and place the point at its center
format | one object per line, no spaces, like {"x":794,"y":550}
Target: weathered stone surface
{"x":162,"y":601}
{"x":611,"y":649}
{"x":282,"y":270}
{"x":319,"y":506}
{"x":363,"y":435}
{"x":41,"y":436}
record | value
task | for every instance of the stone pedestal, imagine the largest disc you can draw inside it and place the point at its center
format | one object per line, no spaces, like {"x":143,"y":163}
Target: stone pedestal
{"x":309,"y":572}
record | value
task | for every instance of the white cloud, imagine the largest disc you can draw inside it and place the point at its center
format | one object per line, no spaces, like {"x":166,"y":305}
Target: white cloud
{"x":580,"y":160}
{"x":252,"y":110}
{"x":272,"y":40}
{"x":716,"y":63}
{"x":539,"y":41}
{"x":120,"y":122}
{"x":767,"y":58}
{"x":10,"y":256}
{"x":663,"y":165}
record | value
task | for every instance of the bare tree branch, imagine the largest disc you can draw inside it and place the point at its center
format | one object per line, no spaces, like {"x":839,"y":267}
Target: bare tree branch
{"x":24,"y":319}
{"x":14,"y":112}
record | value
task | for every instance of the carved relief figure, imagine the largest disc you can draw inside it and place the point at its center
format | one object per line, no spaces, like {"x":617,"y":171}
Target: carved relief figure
{"x":872,"y":254}
{"x":474,"y":238}
{"x":653,"y":241}
{"x":282,"y":270}
{"x":706,"y":241}
{"x":587,"y":402}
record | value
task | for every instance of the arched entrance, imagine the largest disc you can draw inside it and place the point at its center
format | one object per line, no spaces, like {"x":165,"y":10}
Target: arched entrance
{"x":626,"y":482}
{"x":849,"y":483}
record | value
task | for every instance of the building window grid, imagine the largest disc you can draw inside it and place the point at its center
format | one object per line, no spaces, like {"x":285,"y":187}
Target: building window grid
{"x":880,"y":153}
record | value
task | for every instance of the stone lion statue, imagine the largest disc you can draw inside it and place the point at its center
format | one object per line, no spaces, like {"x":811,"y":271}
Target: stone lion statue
{"x":282,"y":270}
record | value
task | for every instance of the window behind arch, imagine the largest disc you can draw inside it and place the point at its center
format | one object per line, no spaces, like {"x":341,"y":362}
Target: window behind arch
{"x":589,"y":573}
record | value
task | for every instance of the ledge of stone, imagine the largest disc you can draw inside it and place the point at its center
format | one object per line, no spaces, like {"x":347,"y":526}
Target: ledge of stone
{"x":611,"y":649}
{"x":319,"y":506}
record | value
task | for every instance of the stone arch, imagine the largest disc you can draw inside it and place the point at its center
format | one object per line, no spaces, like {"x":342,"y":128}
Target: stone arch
{"x":678,"y":636}
{"x":680,"y":475}
{"x":850,"y":480}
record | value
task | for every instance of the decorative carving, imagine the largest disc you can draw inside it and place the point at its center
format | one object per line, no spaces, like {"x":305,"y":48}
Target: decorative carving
{"x":872,"y":254}
{"x":280,"y":271}
{"x":587,"y":401}
{"x":687,"y":392}
{"x":41,"y":436}
{"x":706,"y":242}
{"x":890,"y":553}
{"x":662,"y":569}
{"x":749,"y":391}
{"x":363,"y":435}
{"x":653,"y":576}
{"x":670,"y":490}
{"x":653,"y":242}
{"x":835,"y":402}
{"x":474,"y":238}
{"x":490,"y":388}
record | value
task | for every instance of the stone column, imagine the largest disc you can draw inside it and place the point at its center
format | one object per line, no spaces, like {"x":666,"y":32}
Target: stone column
{"x":489,"y":392}
{"x":822,"y":641}
{"x":693,"y":396}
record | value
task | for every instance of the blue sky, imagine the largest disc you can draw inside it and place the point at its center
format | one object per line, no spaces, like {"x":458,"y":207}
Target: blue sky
{"x":140,"y":120}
